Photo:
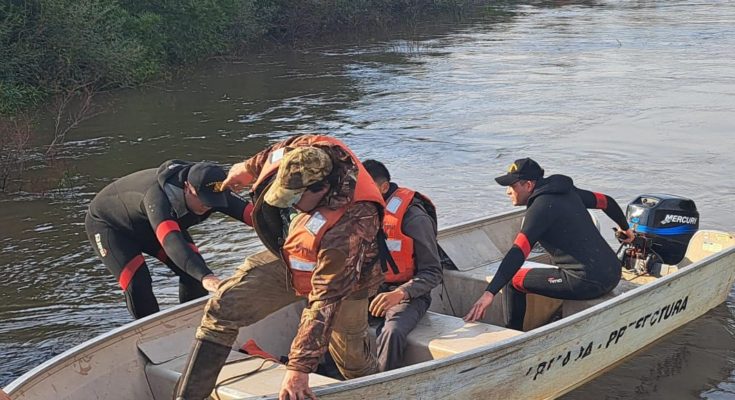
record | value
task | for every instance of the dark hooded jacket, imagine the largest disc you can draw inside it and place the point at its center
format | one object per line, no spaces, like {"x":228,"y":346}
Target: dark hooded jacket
{"x":145,"y":203}
{"x":557,"y":218}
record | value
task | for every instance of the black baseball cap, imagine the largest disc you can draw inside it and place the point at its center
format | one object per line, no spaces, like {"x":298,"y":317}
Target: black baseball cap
{"x":207,"y":178}
{"x":521,"y":169}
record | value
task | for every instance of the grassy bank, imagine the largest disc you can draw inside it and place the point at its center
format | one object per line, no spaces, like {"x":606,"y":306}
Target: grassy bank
{"x":56,"y":54}
{"x":51,"y":47}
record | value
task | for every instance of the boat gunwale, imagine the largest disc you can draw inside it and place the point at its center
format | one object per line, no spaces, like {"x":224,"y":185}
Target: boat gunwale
{"x":137,"y":328}
{"x":519,"y":339}
{"x":155,"y":320}
{"x":120,"y":333}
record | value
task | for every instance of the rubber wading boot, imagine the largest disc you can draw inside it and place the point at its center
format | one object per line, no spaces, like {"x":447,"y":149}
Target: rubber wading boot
{"x":200,"y":375}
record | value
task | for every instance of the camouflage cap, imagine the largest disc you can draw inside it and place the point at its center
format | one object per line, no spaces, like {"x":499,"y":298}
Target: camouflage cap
{"x":299,"y":168}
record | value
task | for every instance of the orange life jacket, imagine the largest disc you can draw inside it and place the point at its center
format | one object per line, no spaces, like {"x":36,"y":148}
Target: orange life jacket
{"x":400,"y":244}
{"x":302,"y":245}
{"x":274,"y":158}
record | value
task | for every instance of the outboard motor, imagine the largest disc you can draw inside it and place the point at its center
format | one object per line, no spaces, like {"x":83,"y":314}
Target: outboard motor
{"x":663,"y":225}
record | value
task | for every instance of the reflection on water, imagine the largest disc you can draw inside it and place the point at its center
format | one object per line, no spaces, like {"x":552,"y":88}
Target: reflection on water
{"x":626,"y":97}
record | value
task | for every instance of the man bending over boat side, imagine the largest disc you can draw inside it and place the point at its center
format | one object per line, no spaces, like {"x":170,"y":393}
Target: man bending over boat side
{"x":585,"y":266}
{"x":149,"y":211}
{"x":327,"y":253}
{"x":410,"y":227}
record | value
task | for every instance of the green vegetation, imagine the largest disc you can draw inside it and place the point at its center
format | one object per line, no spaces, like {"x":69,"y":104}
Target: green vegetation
{"x":55,"y":55}
{"x":59,"y":47}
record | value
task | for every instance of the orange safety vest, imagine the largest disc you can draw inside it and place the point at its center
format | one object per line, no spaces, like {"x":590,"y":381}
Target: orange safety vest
{"x":400,"y":244}
{"x":302,"y":245}
{"x":274,"y":158}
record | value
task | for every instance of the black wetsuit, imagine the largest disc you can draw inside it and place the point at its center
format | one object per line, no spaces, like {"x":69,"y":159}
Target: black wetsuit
{"x":585,"y":266}
{"x":145,"y":212}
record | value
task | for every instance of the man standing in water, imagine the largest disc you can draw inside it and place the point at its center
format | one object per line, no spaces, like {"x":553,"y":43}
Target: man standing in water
{"x":410,"y":227}
{"x":149,"y":212}
{"x":326,"y":253}
{"x":585,"y":267}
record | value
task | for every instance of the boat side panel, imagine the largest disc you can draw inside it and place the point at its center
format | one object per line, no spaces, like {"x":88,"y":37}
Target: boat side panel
{"x":554,"y":359}
{"x":109,"y":367}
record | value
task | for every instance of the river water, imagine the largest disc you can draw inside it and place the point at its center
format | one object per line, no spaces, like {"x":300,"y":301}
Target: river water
{"x":627,"y":97}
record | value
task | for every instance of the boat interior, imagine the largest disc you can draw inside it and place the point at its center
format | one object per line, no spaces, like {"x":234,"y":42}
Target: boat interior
{"x":472,"y":254}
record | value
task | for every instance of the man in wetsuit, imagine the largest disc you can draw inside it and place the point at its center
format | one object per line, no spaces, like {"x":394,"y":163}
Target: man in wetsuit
{"x":410,"y":228}
{"x":149,"y":212}
{"x":585,"y":266}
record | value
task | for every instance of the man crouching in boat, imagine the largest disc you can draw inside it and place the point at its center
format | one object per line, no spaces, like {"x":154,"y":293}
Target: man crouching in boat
{"x":410,"y":227}
{"x":327,"y":252}
{"x":149,"y":211}
{"x":585,"y":267}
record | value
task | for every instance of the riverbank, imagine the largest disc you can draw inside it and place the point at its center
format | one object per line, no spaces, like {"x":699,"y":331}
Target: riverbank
{"x":56,"y":55}
{"x":50,"y":47}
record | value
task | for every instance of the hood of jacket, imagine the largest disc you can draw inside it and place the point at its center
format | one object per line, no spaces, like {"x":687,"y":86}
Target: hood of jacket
{"x":173,"y":172}
{"x":554,"y":184}
{"x":343,"y":178}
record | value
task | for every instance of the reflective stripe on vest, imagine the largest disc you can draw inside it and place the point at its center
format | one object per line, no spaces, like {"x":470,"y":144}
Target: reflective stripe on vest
{"x":302,"y":245}
{"x":399,"y":244}
{"x":301,"y":248}
{"x":301,"y":265}
{"x":273,"y":161}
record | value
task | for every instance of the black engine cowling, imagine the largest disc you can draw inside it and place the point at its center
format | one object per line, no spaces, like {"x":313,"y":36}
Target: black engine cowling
{"x":664,"y":224}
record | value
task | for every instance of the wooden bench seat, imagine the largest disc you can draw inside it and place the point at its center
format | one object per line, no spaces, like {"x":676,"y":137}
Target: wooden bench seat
{"x":438,"y":336}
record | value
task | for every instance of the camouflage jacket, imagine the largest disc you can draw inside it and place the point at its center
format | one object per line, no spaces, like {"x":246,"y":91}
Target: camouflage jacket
{"x":347,"y":263}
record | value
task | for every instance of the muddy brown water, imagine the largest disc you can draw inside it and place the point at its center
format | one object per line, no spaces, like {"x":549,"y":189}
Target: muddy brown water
{"x":627,"y":97}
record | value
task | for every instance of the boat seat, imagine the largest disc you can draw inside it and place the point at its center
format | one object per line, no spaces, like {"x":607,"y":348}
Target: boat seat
{"x":242,"y":376}
{"x":570,"y":307}
{"x":438,"y":336}
{"x":704,"y":243}
{"x":460,"y":290}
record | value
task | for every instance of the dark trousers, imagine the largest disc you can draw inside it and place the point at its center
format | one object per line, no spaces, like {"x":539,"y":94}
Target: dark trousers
{"x":393,"y":331}
{"x":123,"y":257}
{"x":551,"y":282}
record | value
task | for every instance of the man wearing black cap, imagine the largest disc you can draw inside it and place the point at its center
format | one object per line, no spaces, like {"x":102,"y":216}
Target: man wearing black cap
{"x":149,"y":212}
{"x":585,"y":266}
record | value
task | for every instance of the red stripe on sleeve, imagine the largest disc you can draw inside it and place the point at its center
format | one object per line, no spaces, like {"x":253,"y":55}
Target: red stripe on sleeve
{"x":129,"y":271}
{"x":247,"y":215}
{"x":166,"y":227}
{"x":194,"y":247}
{"x":522,"y":243}
{"x":518,"y":278}
{"x":601,"y":201}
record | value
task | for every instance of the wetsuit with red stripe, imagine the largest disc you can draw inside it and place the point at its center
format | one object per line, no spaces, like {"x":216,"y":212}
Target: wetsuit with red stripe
{"x":585,"y":266}
{"x":145,"y":212}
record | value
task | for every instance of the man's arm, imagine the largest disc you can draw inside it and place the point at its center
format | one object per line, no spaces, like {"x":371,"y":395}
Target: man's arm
{"x":421,"y":228}
{"x":535,"y":223}
{"x":418,"y":225}
{"x":244,"y":173}
{"x":238,"y":208}
{"x":605,"y":203}
{"x":168,"y":232}
{"x":342,"y":253}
